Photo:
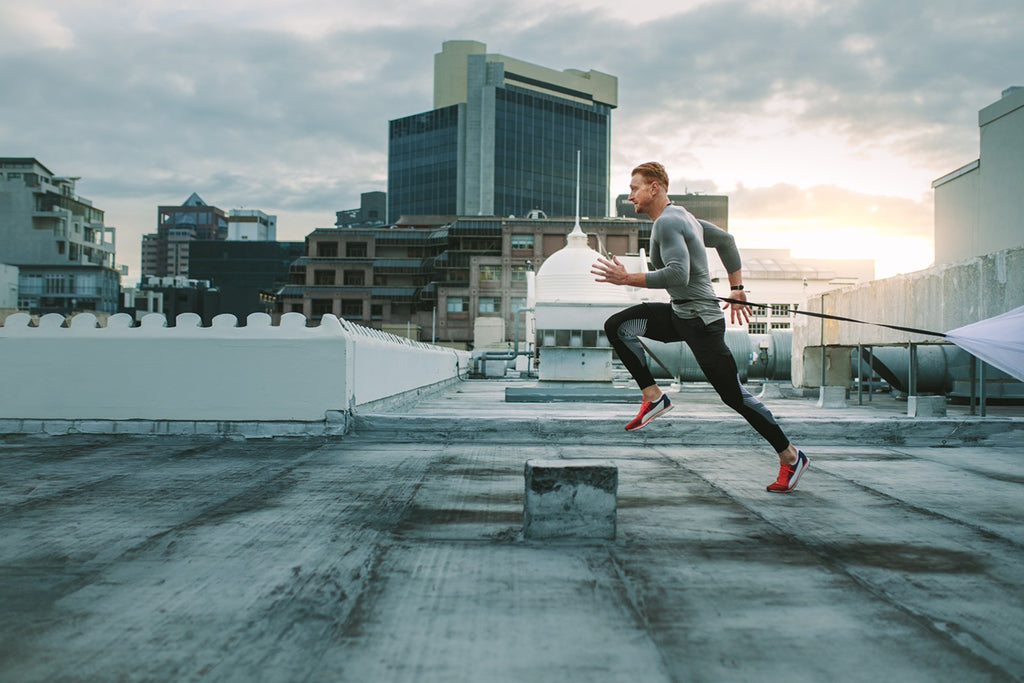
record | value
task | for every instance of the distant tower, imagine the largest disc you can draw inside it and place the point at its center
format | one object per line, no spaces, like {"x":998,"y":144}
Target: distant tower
{"x":502,"y":139}
{"x":165,"y":252}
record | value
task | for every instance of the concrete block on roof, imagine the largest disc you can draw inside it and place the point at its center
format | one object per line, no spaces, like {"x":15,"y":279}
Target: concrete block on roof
{"x":570,"y":499}
{"x":926,"y":406}
{"x":831,"y":397}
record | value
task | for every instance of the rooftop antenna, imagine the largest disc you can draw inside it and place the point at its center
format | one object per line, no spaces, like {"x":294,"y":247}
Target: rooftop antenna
{"x":577,"y":237}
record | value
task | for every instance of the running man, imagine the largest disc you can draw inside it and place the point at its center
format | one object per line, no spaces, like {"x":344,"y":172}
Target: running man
{"x":679,"y":257}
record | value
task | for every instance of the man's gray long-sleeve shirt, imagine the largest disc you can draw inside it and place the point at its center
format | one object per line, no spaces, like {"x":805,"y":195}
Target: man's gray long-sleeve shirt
{"x":680,"y":262}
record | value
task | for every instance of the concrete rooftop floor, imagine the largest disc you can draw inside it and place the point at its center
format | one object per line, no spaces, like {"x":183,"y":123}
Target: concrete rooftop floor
{"x":395,"y":554}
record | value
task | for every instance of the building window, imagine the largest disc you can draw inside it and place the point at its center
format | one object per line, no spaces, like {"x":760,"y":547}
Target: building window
{"x":327,"y":249}
{"x":522,"y":242}
{"x":322,"y":307}
{"x":517,"y":303}
{"x":30,"y":283}
{"x":352,"y":309}
{"x":518,"y":273}
{"x":355,"y":249}
{"x":489,"y":304}
{"x":323,"y":277}
{"x":355,"y":277}
{"x":298,"y":308}
{"x":758,"y":328}
{"x":456,"y":304}
{"x":780,"y":310}
{"x":377,"y":312}
{"x":490,"y":273}
{"x":780,"y":326}
{"x":54,"y":283}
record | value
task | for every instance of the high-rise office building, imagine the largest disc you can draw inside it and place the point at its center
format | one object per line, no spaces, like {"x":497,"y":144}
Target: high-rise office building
{"x":57,"y":240}
{"x":502,"y":140}
{"x":165,"y":252}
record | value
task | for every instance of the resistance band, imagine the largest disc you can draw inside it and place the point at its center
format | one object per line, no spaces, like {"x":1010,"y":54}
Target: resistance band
{"x":826,"y":316}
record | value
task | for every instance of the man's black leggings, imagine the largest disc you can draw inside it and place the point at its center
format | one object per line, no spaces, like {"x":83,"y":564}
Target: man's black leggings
{"x":657,"y":321}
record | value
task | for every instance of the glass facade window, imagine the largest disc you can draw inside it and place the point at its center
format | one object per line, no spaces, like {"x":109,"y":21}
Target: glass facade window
{"x":518,"y":273}
{"x":456,"y":304}
{"x":490,"y":273}
{"x":85,"y":283}
{"x":536,"y":137}
{"x":489,"y":304}
{"x":322,"y":307}
{"x":64,"y":291}
{"x":327,"y":249}
{"x":535,"y":140}
{"x":423,"y":163}
{"x":352,"y":309}
{"x":54,"y":283}
{"x":522,"y":243}
{"x":30,"y":283}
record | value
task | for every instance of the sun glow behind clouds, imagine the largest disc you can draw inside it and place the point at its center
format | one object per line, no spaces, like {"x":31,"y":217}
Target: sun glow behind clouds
{"x":817,"y":189}
{"x":811,"y":238}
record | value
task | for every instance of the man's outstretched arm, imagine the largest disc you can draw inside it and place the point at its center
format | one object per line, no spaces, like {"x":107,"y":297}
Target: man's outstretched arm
{"x":725,"y":245}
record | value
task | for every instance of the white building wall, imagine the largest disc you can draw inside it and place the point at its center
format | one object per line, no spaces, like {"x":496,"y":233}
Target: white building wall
{"x":252,"y":225}
{"x":223,"y":373}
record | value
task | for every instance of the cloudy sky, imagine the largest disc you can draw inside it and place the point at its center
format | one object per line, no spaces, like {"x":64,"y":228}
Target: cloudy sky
{"x":825,"y":121}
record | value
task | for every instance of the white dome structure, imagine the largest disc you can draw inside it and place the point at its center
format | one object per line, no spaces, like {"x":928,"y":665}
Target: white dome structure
{"x":565,"y":276}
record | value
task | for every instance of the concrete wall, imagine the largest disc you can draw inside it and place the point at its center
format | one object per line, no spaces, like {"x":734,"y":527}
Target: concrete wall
{"x":938,"y":299}
{"x":257,"y":372}
{"x":8,"y":286}
{"x":956,"y":214}
{"x":1001,"y":202}
{"x":979,"y":207}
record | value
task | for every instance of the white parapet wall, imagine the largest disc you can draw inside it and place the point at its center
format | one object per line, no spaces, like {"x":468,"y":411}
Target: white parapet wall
{"x":382,"y":365}
{"x":225,"y":373}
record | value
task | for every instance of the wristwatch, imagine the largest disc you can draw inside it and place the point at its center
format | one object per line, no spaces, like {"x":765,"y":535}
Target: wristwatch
{"x":737,"y":288}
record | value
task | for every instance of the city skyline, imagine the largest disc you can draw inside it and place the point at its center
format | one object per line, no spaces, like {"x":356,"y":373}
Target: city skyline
{"x":822,"y":124}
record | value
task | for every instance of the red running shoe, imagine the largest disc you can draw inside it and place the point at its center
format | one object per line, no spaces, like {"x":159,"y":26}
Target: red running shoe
{"x":789,"y":475}
{"x":649,"y":411}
